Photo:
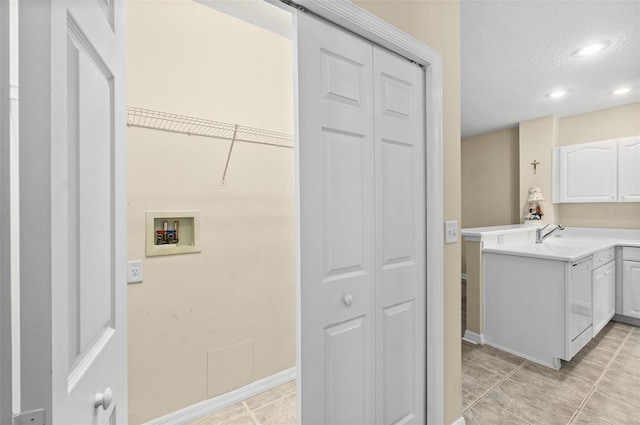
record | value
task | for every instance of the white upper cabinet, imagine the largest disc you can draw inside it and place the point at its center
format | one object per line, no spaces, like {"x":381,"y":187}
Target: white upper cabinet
{"x":629,"y":169}
{"x":606,"y":171}
{"x":586,"y":172}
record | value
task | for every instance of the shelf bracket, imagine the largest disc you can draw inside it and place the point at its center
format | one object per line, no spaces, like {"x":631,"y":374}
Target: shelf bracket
{"x":233,"y":141}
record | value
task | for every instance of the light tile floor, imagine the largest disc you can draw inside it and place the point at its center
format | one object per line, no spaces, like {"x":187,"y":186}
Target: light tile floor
{"x":600,"y":386}
{"x":274,"y":407}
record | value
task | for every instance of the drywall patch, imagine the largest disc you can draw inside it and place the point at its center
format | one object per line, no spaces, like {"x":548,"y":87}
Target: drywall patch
{"x":229,"y":368}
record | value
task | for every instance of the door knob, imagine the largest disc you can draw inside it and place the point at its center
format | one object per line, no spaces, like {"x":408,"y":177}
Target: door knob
{"x":104,"y":399}
{"x":348,"y":299}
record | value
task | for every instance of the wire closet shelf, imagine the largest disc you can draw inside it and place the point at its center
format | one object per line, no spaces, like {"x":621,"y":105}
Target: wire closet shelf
{"x":165,"y":121}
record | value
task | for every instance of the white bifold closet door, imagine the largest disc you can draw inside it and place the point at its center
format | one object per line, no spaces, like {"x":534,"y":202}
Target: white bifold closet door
{"x":362,"y":227}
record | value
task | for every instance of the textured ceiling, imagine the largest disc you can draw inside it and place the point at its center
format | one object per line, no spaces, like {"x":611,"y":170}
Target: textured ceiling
{"x":515,"y":52}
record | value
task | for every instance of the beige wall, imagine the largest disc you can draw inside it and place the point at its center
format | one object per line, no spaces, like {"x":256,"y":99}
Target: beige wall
{"x":186,"y":58}
{"x":536,"y":141}
{"x":623,"y":121}
{"x":490,"y":181}
{"x":437,"y":24}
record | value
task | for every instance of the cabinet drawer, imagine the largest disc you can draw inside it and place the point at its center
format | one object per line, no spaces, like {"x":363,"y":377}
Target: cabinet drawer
{"x":603,"y":257}
{"x":631,"y":254}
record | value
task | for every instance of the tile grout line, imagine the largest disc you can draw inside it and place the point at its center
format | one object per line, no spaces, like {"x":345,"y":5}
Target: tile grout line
{"x":255,"y":420}
{"x":613,"y":358}
{"x":472,"y":349}
{"x":588,"y":396}
{"x":579,"y":409}
{"x":493,"y":387}
{"x":274,"y":401}
{"x":504,"y":379}
{"x":251,"y":411}
{"x":602,"y":375}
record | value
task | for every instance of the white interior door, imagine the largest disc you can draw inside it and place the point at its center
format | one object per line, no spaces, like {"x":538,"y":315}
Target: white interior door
{"x":400,"y":240}
{"x":362,"y":230}
{"x":72,"y":206}
{"x":336,"y":193}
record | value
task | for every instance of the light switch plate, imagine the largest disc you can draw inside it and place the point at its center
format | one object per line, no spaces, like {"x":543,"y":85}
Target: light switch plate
{"x":451,"y":231}
{"x":134,"y":271}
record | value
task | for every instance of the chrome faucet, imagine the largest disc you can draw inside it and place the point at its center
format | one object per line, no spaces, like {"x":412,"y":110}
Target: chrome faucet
{"x":540,"y":237}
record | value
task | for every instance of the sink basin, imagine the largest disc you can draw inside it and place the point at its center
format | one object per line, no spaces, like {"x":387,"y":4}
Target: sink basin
{"x":567,"y":247}
{"x":568,"y":243}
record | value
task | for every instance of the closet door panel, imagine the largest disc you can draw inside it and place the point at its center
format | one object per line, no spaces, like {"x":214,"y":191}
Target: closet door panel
{"x":400,"y":243}
{"x":337,"y":243}
{"x":343,"y":173}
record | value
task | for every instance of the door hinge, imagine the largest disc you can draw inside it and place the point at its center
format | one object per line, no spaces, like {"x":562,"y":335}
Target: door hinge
{"x":33,"y":417}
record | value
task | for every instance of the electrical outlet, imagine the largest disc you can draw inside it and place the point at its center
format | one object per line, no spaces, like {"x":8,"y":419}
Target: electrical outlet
{"x":134,"y":271}
{"x":451,"y":232}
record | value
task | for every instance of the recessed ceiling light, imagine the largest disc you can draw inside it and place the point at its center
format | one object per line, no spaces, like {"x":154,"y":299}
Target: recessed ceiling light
{"x":558,"y":93}
{"x":623,"y":90}
{"x":592,"y":49}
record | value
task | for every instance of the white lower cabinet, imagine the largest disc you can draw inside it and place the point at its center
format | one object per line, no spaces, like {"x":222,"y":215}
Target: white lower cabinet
{"x":631,"y":282}
{"x":604,"y":295}
{"x":546,"y":310}
{"x":538,"y":309}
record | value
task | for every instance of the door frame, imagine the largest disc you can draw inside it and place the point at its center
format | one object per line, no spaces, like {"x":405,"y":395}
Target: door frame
{"x":6,"y":399}
{"x":360,"y":22}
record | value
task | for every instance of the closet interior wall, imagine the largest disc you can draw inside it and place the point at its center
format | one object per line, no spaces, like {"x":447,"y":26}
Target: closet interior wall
{"x":230,"y":307}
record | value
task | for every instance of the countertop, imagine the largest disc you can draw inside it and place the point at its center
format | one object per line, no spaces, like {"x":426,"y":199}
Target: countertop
{"x":561,"y":248}
{"x":475,"y":233}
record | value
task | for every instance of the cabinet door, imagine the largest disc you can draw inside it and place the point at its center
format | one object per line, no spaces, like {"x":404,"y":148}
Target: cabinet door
{"x":629,"y":169}
{"x":587,"y":172}
{"x":631,"y":289}
{"x":603,"y":296}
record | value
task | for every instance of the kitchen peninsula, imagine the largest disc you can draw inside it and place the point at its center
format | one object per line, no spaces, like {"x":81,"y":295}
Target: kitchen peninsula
{"x":545,"y":301}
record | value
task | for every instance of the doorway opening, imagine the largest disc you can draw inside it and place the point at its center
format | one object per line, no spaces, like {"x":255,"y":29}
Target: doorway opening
{"x":210,"y":131}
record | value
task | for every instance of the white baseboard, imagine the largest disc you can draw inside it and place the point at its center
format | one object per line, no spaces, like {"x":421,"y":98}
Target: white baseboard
{"x":626,"y":319}
{"x":473,"y":337}
{"x":205,"y":407}
{"x":459,"y":421}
